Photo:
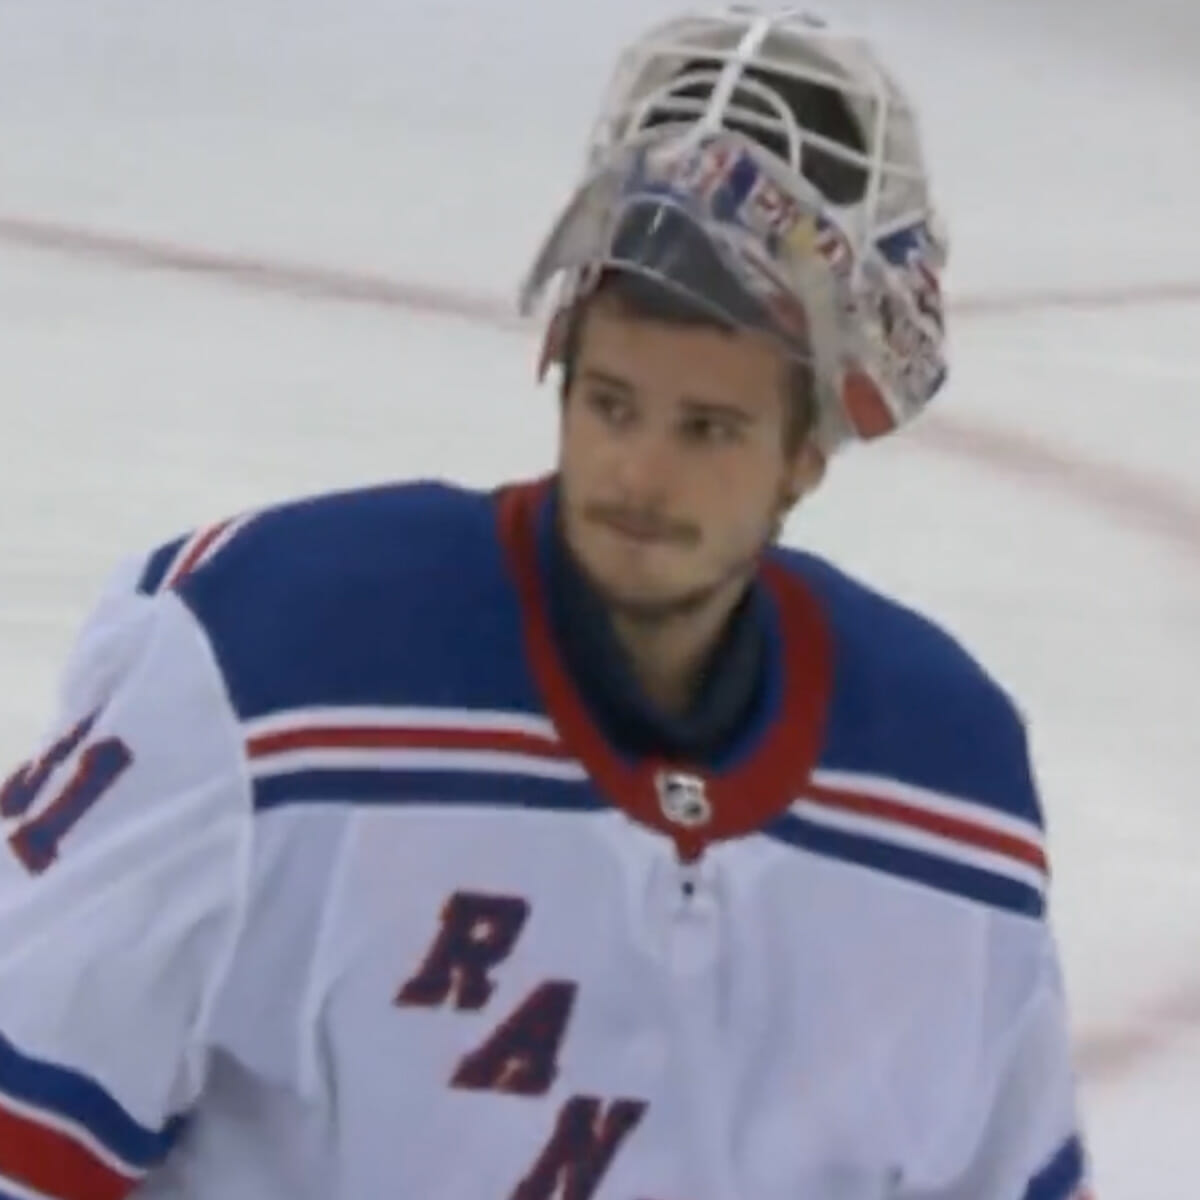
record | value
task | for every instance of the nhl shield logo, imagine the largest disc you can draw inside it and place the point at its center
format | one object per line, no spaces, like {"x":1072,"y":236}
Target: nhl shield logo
{"x":683,"y":799}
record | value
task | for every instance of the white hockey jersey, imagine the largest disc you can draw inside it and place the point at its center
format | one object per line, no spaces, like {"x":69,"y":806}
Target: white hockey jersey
{"x":326,"y":888}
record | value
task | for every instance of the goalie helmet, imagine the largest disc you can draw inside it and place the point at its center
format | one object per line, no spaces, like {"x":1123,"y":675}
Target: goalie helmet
{"x":769,"y":168}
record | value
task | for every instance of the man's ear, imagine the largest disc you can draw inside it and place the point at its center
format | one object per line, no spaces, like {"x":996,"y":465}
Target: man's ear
{"x":805,"y":474}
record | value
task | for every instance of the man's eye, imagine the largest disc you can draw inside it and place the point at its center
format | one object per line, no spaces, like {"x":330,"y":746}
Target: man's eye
{"x":711,"y":430}
{"x":611,"y":406}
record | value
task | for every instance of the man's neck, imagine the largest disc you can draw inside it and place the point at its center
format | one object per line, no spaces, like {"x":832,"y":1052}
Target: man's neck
{"x":669,"y":657}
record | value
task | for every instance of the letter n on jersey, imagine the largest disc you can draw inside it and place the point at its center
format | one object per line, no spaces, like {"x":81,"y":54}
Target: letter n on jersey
{"x":579,"y":1152}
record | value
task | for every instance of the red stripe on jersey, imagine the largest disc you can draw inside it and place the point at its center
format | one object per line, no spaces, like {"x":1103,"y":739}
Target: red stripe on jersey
{"x":53,"y":1163}
{"x":376,"y":738}
{"x":955,"y":829}
{"x":197,"y":552}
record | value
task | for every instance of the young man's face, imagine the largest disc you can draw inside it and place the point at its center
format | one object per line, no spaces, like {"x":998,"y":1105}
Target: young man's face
{"x":674,"y":459}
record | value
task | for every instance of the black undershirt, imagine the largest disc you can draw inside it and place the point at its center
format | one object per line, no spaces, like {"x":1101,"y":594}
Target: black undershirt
{"x":600,"y":668}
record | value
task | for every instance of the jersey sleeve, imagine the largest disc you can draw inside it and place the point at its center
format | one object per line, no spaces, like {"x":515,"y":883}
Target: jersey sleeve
{"x":124,"y":849}
{"x":1017,"y":1135}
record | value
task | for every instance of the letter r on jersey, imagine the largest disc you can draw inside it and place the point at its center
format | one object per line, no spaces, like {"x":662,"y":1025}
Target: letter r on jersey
{"x":478,"y":933}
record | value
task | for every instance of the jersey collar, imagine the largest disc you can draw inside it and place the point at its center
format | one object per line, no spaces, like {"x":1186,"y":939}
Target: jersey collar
{"x":689,"y":802}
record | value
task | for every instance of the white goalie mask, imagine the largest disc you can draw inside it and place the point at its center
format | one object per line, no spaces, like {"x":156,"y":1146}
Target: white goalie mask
{"x":768,"y":168}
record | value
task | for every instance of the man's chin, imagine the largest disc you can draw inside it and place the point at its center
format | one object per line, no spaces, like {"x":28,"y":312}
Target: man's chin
{"x":648,"y":604}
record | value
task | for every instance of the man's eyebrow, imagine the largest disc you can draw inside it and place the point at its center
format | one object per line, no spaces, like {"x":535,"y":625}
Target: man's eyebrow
{"x":596,"y":375}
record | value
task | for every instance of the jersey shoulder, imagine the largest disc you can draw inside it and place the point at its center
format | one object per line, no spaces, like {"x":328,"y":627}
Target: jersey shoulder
{"x":396,"y":595}
{"x":911,"y":704}
{"x":283,"y":536}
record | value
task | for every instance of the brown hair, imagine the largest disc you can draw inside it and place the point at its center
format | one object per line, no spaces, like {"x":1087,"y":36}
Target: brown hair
{"x":646,"y":299}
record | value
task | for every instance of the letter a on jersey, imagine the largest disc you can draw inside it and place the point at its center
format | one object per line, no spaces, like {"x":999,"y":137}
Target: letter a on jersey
{"x":521,"y":1056}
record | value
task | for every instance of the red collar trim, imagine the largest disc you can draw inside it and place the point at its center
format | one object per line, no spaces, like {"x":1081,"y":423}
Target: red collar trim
{"x":765,"y":781}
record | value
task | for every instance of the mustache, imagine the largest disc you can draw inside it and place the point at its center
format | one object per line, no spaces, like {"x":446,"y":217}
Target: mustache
{"x":642,"y":523}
